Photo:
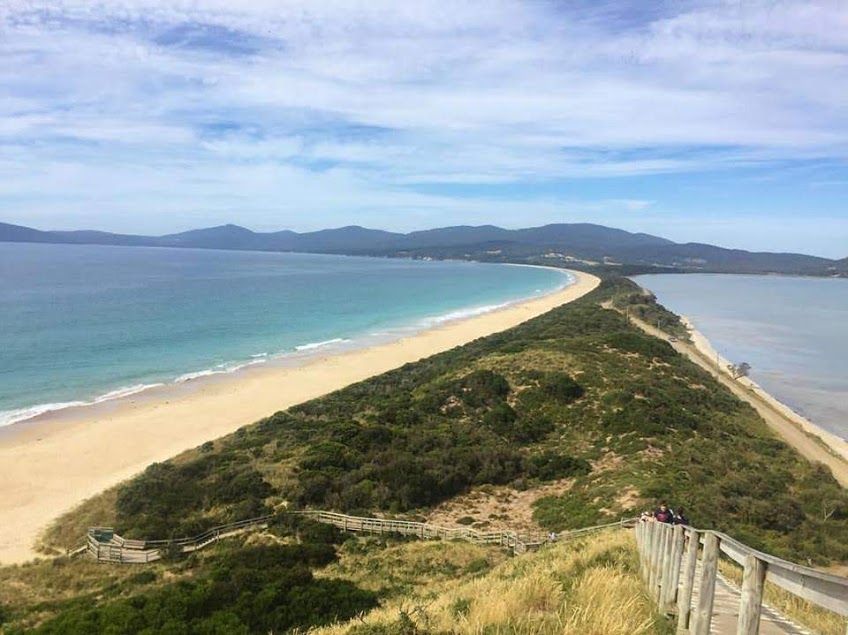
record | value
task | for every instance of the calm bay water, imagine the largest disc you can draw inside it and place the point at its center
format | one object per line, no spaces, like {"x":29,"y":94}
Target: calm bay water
{"x":793,"y":332}
{"x":88,"y":323}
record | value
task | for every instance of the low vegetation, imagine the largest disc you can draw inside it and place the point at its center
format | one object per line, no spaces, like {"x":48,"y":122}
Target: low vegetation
{"x":579,"y":405}
{"x":644,"y":306}
{"x":575,"y":394}
{"x":590,"y":585}
{"x":239,"y":589}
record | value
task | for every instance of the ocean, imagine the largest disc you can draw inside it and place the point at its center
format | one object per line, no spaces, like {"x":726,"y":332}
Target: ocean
{"x":793,"y":332}
{"x":83,"y":324}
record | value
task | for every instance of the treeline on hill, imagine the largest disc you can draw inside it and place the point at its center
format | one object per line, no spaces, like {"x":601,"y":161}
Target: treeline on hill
{"x":577,"y":393}
{"x":643,"y":305}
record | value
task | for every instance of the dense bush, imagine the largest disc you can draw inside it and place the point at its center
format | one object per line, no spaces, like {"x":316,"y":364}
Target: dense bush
{"x":550,"y":466}
{"x":253,"y":590}
{"x":539,"y":401}
{"x":645,"y":307}
{"x":641,"y":344}
{"x":409,"y":469}
{"x":167,"y":497}
{"x":560,"y":387}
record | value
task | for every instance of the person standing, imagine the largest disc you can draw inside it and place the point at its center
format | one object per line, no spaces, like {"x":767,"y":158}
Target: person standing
{"x":664,"y":514}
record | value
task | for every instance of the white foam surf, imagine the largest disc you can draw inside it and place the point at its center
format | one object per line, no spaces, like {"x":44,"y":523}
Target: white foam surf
{"x":313,"y":345}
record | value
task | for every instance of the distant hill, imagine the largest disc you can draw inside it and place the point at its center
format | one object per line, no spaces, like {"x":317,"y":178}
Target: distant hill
{"x":575,"y":244}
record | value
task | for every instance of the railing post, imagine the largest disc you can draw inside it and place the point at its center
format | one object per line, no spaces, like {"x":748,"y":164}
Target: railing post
{"x":668,"y":557}
{"x":684,"y":598}
{"x":656,"y":554}
{"x":670,"y":592}
{"x":751,"y":603}
{"x":709,"y":568}
{"x":654,"y":548}
{"x":656,"y":559}
{"x":637,"y":534}
{"x":661,"y":558}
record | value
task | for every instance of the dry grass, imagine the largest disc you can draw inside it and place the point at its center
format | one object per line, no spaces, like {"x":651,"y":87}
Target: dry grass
{"x":497,"y":508}
{"x":69,"y":530}
{"x":814,"y":617}
{"x":589,"y":586}
{"x":396,"y":568}
{"x":37,"y":590}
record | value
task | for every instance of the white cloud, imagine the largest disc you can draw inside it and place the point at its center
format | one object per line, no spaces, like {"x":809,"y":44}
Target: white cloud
{"x":339,"y":106}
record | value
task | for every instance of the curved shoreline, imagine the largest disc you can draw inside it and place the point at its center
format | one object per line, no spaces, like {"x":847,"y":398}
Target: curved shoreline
{"x":51,"y":465}
{"x":834,"y":443}
{"x":158,"y":387}
{"x":806,"y":438}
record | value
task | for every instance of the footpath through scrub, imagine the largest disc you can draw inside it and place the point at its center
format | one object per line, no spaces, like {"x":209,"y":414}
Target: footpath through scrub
{"x":684,"y":585}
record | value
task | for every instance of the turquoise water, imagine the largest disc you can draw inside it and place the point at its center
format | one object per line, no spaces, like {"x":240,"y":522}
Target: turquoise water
{"x":80,"y":324}
{"x":793,"y":332}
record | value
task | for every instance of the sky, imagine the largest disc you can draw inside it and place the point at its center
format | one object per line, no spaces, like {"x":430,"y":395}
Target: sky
{"x":720,"y":122}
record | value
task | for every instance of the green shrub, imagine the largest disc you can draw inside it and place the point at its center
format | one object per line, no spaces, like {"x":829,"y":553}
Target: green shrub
{"x":550,"y":466}
{"x":569,"y":511}
{"x":253,"y":590}
{"x":560,"y":387}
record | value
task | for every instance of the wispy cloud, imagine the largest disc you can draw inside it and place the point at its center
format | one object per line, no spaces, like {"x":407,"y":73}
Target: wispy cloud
{"x":265,"y":111}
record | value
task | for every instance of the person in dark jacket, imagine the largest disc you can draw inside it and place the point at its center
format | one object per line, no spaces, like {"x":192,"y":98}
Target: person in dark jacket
{"x":663,"y":514}
{"x":680,"y":517}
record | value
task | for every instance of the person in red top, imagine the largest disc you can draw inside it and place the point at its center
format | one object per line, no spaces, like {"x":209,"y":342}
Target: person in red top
{"x":663,"y":514}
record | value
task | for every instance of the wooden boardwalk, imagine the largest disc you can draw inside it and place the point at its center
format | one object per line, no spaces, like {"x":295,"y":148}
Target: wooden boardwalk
{"x":726,"y":611}
{"x":106,"y":546}
{"x":670,"y":563}
{"x":680,"y":568}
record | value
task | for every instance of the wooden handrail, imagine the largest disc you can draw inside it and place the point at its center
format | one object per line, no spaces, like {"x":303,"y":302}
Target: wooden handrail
{"x":825,"y":589}
{"x":663,"y":564}
{"x":134,"y":551}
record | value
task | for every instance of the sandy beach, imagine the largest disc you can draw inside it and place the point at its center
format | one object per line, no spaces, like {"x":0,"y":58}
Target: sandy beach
{"x":702,"y":344}
{"x":810,"y":441}
{"x":50,"y":465}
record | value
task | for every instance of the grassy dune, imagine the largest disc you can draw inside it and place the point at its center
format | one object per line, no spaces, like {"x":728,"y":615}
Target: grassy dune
{"x":587,"y":586}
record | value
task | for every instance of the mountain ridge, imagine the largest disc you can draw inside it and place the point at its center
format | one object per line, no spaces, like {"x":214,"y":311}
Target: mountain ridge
{"x":577,"y":244}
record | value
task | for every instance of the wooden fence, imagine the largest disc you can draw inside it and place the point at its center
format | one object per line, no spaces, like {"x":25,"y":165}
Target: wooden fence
{"x":106,"y":546}
{"x":669,"y":559}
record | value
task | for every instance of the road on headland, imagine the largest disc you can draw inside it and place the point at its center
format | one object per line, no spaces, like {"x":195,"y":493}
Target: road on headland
{"x":810,"y":448}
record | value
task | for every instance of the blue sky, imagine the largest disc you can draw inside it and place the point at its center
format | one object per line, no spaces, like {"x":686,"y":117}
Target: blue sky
{"x":717,"y":122}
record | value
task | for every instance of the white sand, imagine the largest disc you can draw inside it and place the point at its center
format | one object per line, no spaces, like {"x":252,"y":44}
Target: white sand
{"x":50,"y":466}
